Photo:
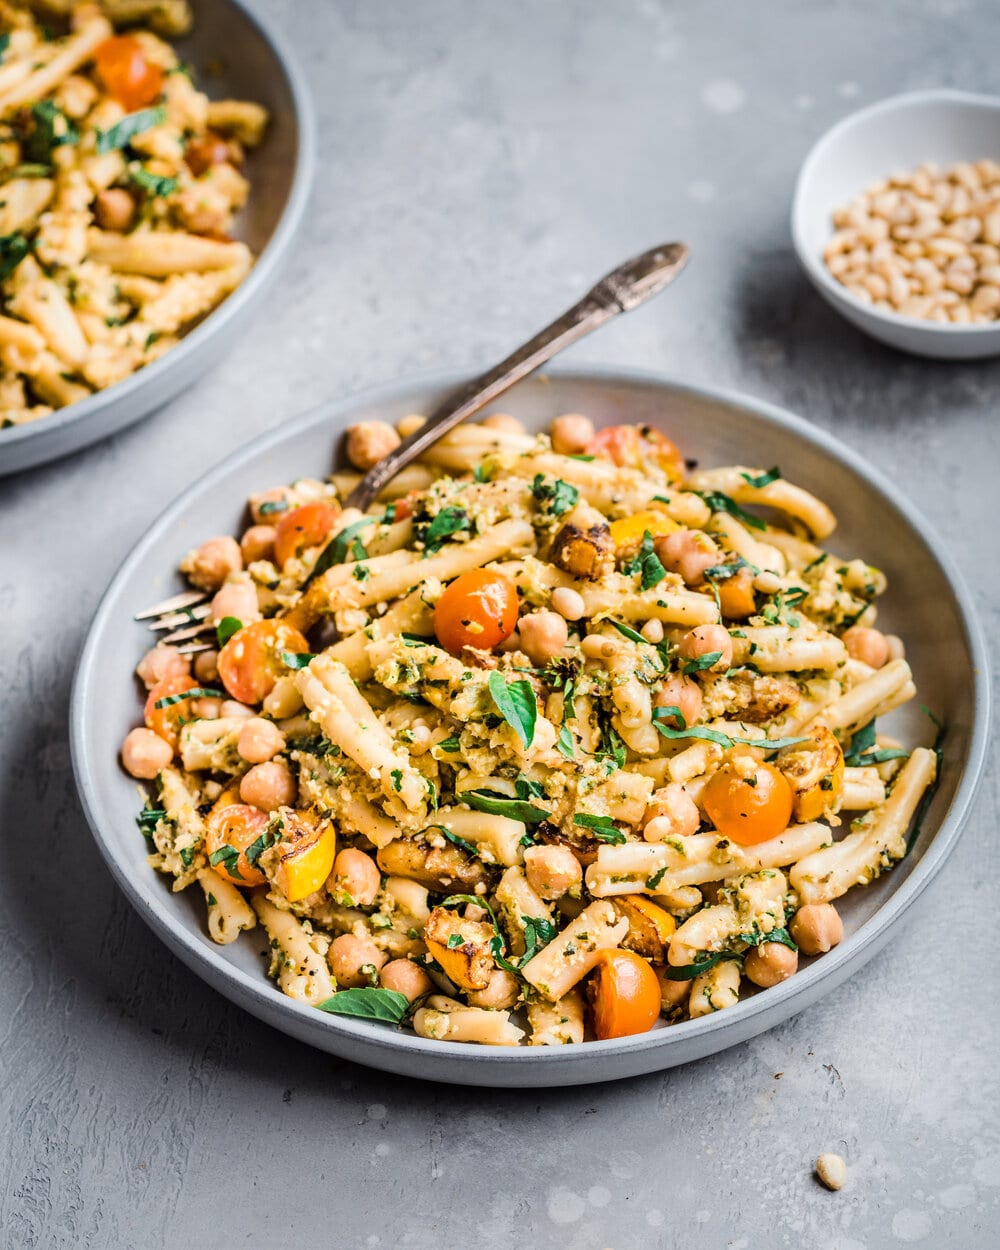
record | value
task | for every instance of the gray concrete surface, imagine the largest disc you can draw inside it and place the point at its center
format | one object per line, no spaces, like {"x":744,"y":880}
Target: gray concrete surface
{"x":480,"y":163}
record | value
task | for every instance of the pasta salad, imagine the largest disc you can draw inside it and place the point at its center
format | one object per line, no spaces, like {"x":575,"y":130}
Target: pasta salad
{"x":561,"y":739}
{"x":119,"y":181}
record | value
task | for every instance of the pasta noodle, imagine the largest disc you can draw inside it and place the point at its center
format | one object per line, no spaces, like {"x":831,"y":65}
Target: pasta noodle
{"x":542,"y":749}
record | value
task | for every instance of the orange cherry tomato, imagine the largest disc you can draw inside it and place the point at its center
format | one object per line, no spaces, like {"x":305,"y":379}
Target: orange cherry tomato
{"x":229,"y":832}
{"x":250,"y":663}
{"x":167,"y":721}
{"x":748,"y":809}
{"x":478,"y":609}
{"x":122,"y":67}
{"x":624,"y":995}
{"x":301,"y":528}
{"x":634,"y":446}
{"x":308,"y":848}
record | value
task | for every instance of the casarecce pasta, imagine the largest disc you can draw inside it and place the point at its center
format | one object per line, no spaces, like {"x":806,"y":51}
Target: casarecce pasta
{"x":555,"y":743}
{"x":119,"y":183}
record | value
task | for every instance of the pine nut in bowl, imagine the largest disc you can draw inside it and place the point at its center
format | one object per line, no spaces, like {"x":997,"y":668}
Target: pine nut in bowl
{"x":896,"y":221}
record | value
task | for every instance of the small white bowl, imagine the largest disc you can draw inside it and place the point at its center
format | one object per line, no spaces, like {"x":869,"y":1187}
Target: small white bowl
{"x":896,"y":134}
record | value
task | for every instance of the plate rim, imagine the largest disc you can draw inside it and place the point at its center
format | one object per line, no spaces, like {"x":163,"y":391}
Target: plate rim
{"x":258,"y":995}
{"x":233,"y":306}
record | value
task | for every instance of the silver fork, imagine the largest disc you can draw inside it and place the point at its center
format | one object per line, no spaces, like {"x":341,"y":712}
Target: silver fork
{"x":621,"y":290}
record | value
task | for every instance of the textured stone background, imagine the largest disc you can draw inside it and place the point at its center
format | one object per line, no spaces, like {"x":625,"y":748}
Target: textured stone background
{"x":481,"y":163}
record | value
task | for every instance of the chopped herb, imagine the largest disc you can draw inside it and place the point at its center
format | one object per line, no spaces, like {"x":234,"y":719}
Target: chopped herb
{"x":701,"y":663}
{"x":863,"y":751}
{"x":602,"y":827}
{"x":50,"y":129}
{"x":455,"y":940}
{"x":690,"y":971}
{"x":718,"y":501}
{"x":452,"y":745}
{"x":228,"y":857}
{"x":388,"y":1006}
{"x":397,"y":779}
{"x":226,"y":628}
{"x":4,"y":44}
{"x":646,"y":564}
{"x":538,"y":932}
{"x":629,"y":633}
{"x":780,"y":936}
{"x":13,"y":249}
{"x":121,"y":134}
{"x":448,"y":521}
{"x":764,"y":479}
{"x":556,"y":497}
{"x":270,"y":506}
{"x":187,"y":854}
{"x":611,"y":745}
{"x":501,"y":805}
{"x":673,"y":713}
{"x":149,"y":818}
{"x":723,"y":572}
{"x":653,"y":881}
{"x":152,"y":185}
{"x":564,"y":743}
{"x":468,"y":847}
{"x":297,"y":659}
{"x":389,"y":516}
{"x":270,"y":837}
{"x":515,"y":701}
{"x":197,"y":692}
{"x":580,"y":456}
{"x":335,"y":551}
{"x":361,"y":572}
{"x":211,"y":900}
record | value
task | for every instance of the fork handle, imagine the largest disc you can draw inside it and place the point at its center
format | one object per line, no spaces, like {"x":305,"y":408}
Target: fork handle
{"x":623,"y":289}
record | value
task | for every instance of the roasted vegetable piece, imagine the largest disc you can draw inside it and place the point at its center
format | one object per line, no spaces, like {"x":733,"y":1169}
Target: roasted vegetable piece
{"x":583,"y":553}
{"x":649,"y":926}
{"x":461,"y":947}
{"x":815,"y":772}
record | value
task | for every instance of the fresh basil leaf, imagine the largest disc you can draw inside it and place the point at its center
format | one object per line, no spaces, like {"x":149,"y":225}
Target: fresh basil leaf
{"x":629,"y":633}
{"x":226,"y":628}
{"x":335,"y":551}
{"x":270,"y":837}
{"x":646,"y":564}
{"x":555,"y":497}
{"x":50,"y":129}
{"x":602,"y":827}
{"x":468,"y":847}
{"x":13,"y":249}
{"x":564,"y":744}
{"x":297,"y":659}
{"x":689,"y":971}
{"x":538,"y":932}
{"x":781,"y":936}
{"x":451,"y":745}
{"x":448,"y":521}
{"x":500,"y":805}
{"x":763,"y":479}
{"x":672,"y":712}
{"x":119,"y":135}
{"x":701,"y":663}
{"x":387,"y":1006}
{"x":228,"y":857}
{"x":198,"y":692}
{"x":515,"y":701}
{"x":612,"y":745}
{"x":152,"y":185}
{"x":718,"y":501}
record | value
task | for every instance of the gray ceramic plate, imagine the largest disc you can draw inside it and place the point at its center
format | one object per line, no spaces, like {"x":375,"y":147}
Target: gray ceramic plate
{"x":926,"y":603}
{"x":234,"y":53}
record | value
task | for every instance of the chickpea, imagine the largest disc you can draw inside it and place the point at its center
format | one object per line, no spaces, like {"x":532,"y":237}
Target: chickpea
{"x":817,"y":927}
{"x":368,"y":442}
{"x":703,"y":640}
{"x":406,"y":978}
{"x":161,"y":662}
{"x":502,"y":992}
{"x":208,"y":566}
{"x":897,"y":649}
{"x":230,"y":708}
{"x":571,"y":434}
{"x":114,"y":209}
{"x":870,"y":646}
{"x":688,"y":552}
{"x":237,"y":599}
{"x":353,"y":959}
{"x":145,"y":754}
{"x":504,"y":422}
{"x":672,"y":814}
{"x":568,"y":603}
{"x":543,"y":635}
{"x":260,"y":740}
{"x":206,"y":667}
{"x":680,"y":692}
{"x":257,"y":543}
{"x":770,"y":963}
{"x":652,"y":631}
{"x":552,"y":871}
{"x":269,"y":786}
{"x":356,"y":878}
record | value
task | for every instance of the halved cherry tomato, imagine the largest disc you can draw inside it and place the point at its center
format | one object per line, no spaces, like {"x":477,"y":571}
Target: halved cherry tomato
{"x":478,"y":609}
{"x":307,"y":854}
{"x":122,"y":67}
{"x":301,"y":528}
{"x":634,"y":446}
{"x":748,"y":809}
{"x":624,"y":995}
{"x":250,"y":663}
{"x":230,"y":830}
{"x":167,"y":721}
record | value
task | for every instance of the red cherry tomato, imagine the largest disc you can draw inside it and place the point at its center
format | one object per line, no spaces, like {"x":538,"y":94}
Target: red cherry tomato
{"x":749,"y":809}
{"x":301,"y":528}
{"x":478,"y":609}
{"x":250,"y":663}
{"x":624,"y":995}
{"x":635,"y":446}
{"x":122,"y":67}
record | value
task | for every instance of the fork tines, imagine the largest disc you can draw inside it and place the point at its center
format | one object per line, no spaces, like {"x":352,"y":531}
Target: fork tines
{"x":188,"y":599}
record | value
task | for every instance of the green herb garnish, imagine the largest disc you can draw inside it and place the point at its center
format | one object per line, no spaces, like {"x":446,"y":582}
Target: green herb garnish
{"x":515,"y":701}
{"x":763,"y":479}
{"x":226,"y":628}
{"x":447,"y":522}
{"x":501,"y":805}
{"x":387,"y":1006}
{"x":646,"y":564}
{"x":718,"y":501}
{"x":198,"y":692}
{"x":557,"y":496}
{"x":121,"y":134}
{"x":602,"y":827}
